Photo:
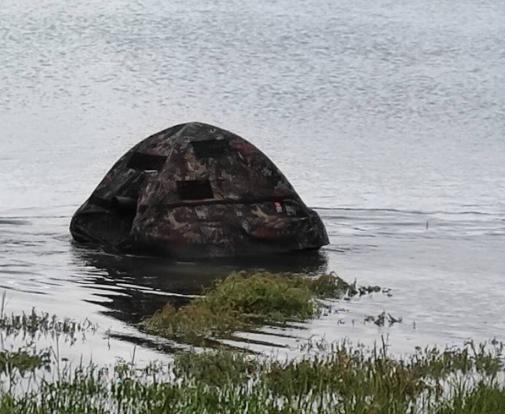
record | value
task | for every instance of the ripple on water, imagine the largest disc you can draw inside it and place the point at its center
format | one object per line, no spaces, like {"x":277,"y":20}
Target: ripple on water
{"x":389,"y":111}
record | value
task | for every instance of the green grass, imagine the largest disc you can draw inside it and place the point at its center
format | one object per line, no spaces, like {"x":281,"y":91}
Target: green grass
{"x":340,"y":380}
{"x":324,"y":378}
{"x":482,"y":398}
{"x":217,"y":368}
{"x":244,"y":300}
{"x":23,"y":360}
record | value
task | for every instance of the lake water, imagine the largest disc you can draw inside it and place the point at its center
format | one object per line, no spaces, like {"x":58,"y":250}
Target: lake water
{"x":388,"y":117}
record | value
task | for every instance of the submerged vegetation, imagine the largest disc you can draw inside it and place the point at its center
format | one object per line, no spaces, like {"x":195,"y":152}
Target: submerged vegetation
{"x":244,"y":300}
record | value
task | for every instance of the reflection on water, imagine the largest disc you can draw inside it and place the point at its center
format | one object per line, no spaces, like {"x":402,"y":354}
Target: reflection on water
{"x":134,"y":287}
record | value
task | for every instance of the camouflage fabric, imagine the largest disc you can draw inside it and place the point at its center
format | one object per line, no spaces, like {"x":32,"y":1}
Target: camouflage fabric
{"x":195,"y":190}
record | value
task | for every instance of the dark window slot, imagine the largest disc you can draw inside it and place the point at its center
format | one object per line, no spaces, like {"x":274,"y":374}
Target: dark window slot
{"x":194,"y":190}
{"x":211,"y":148}
{"x":140,"y":161}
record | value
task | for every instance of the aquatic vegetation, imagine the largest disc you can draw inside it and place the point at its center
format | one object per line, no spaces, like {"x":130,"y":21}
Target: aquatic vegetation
{"x":217,"y":368}
{"x":341,"y":379}
{"x":325,"y":378}
{"x":23,"y":360}
{"x":482,"y":398}
{"x":247,"y":300}
{"x":335,"y":378}
{"x":35,"y":323}
{"x":358,"y":379}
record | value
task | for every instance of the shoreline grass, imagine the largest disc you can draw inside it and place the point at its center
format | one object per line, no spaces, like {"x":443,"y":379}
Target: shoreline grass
{"x":336,"y":378}
{"x":340,"y":379}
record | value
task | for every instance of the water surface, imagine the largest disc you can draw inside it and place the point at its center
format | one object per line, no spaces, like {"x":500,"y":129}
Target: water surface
{"x":388,"y":118}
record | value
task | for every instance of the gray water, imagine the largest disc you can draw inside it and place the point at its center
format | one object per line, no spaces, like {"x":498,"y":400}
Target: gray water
{"x":388,"y":117}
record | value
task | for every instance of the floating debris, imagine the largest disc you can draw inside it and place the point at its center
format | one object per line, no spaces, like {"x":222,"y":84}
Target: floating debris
{"x":382,"y":319}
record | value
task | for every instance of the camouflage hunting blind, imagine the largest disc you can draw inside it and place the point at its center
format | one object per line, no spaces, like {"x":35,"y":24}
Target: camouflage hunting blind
{"x":195,"y":190}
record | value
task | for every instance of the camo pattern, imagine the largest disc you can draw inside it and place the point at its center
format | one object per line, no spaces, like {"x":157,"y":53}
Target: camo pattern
{"x":195,"y":190}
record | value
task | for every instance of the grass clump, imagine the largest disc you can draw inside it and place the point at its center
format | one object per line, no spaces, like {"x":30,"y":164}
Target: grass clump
{"x":482,"y":399}
{"x":215,"y":368}
{"x":244,"y":300}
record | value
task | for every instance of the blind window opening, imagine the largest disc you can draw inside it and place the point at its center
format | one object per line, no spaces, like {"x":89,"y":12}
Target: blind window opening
{"x":194,"y":190}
